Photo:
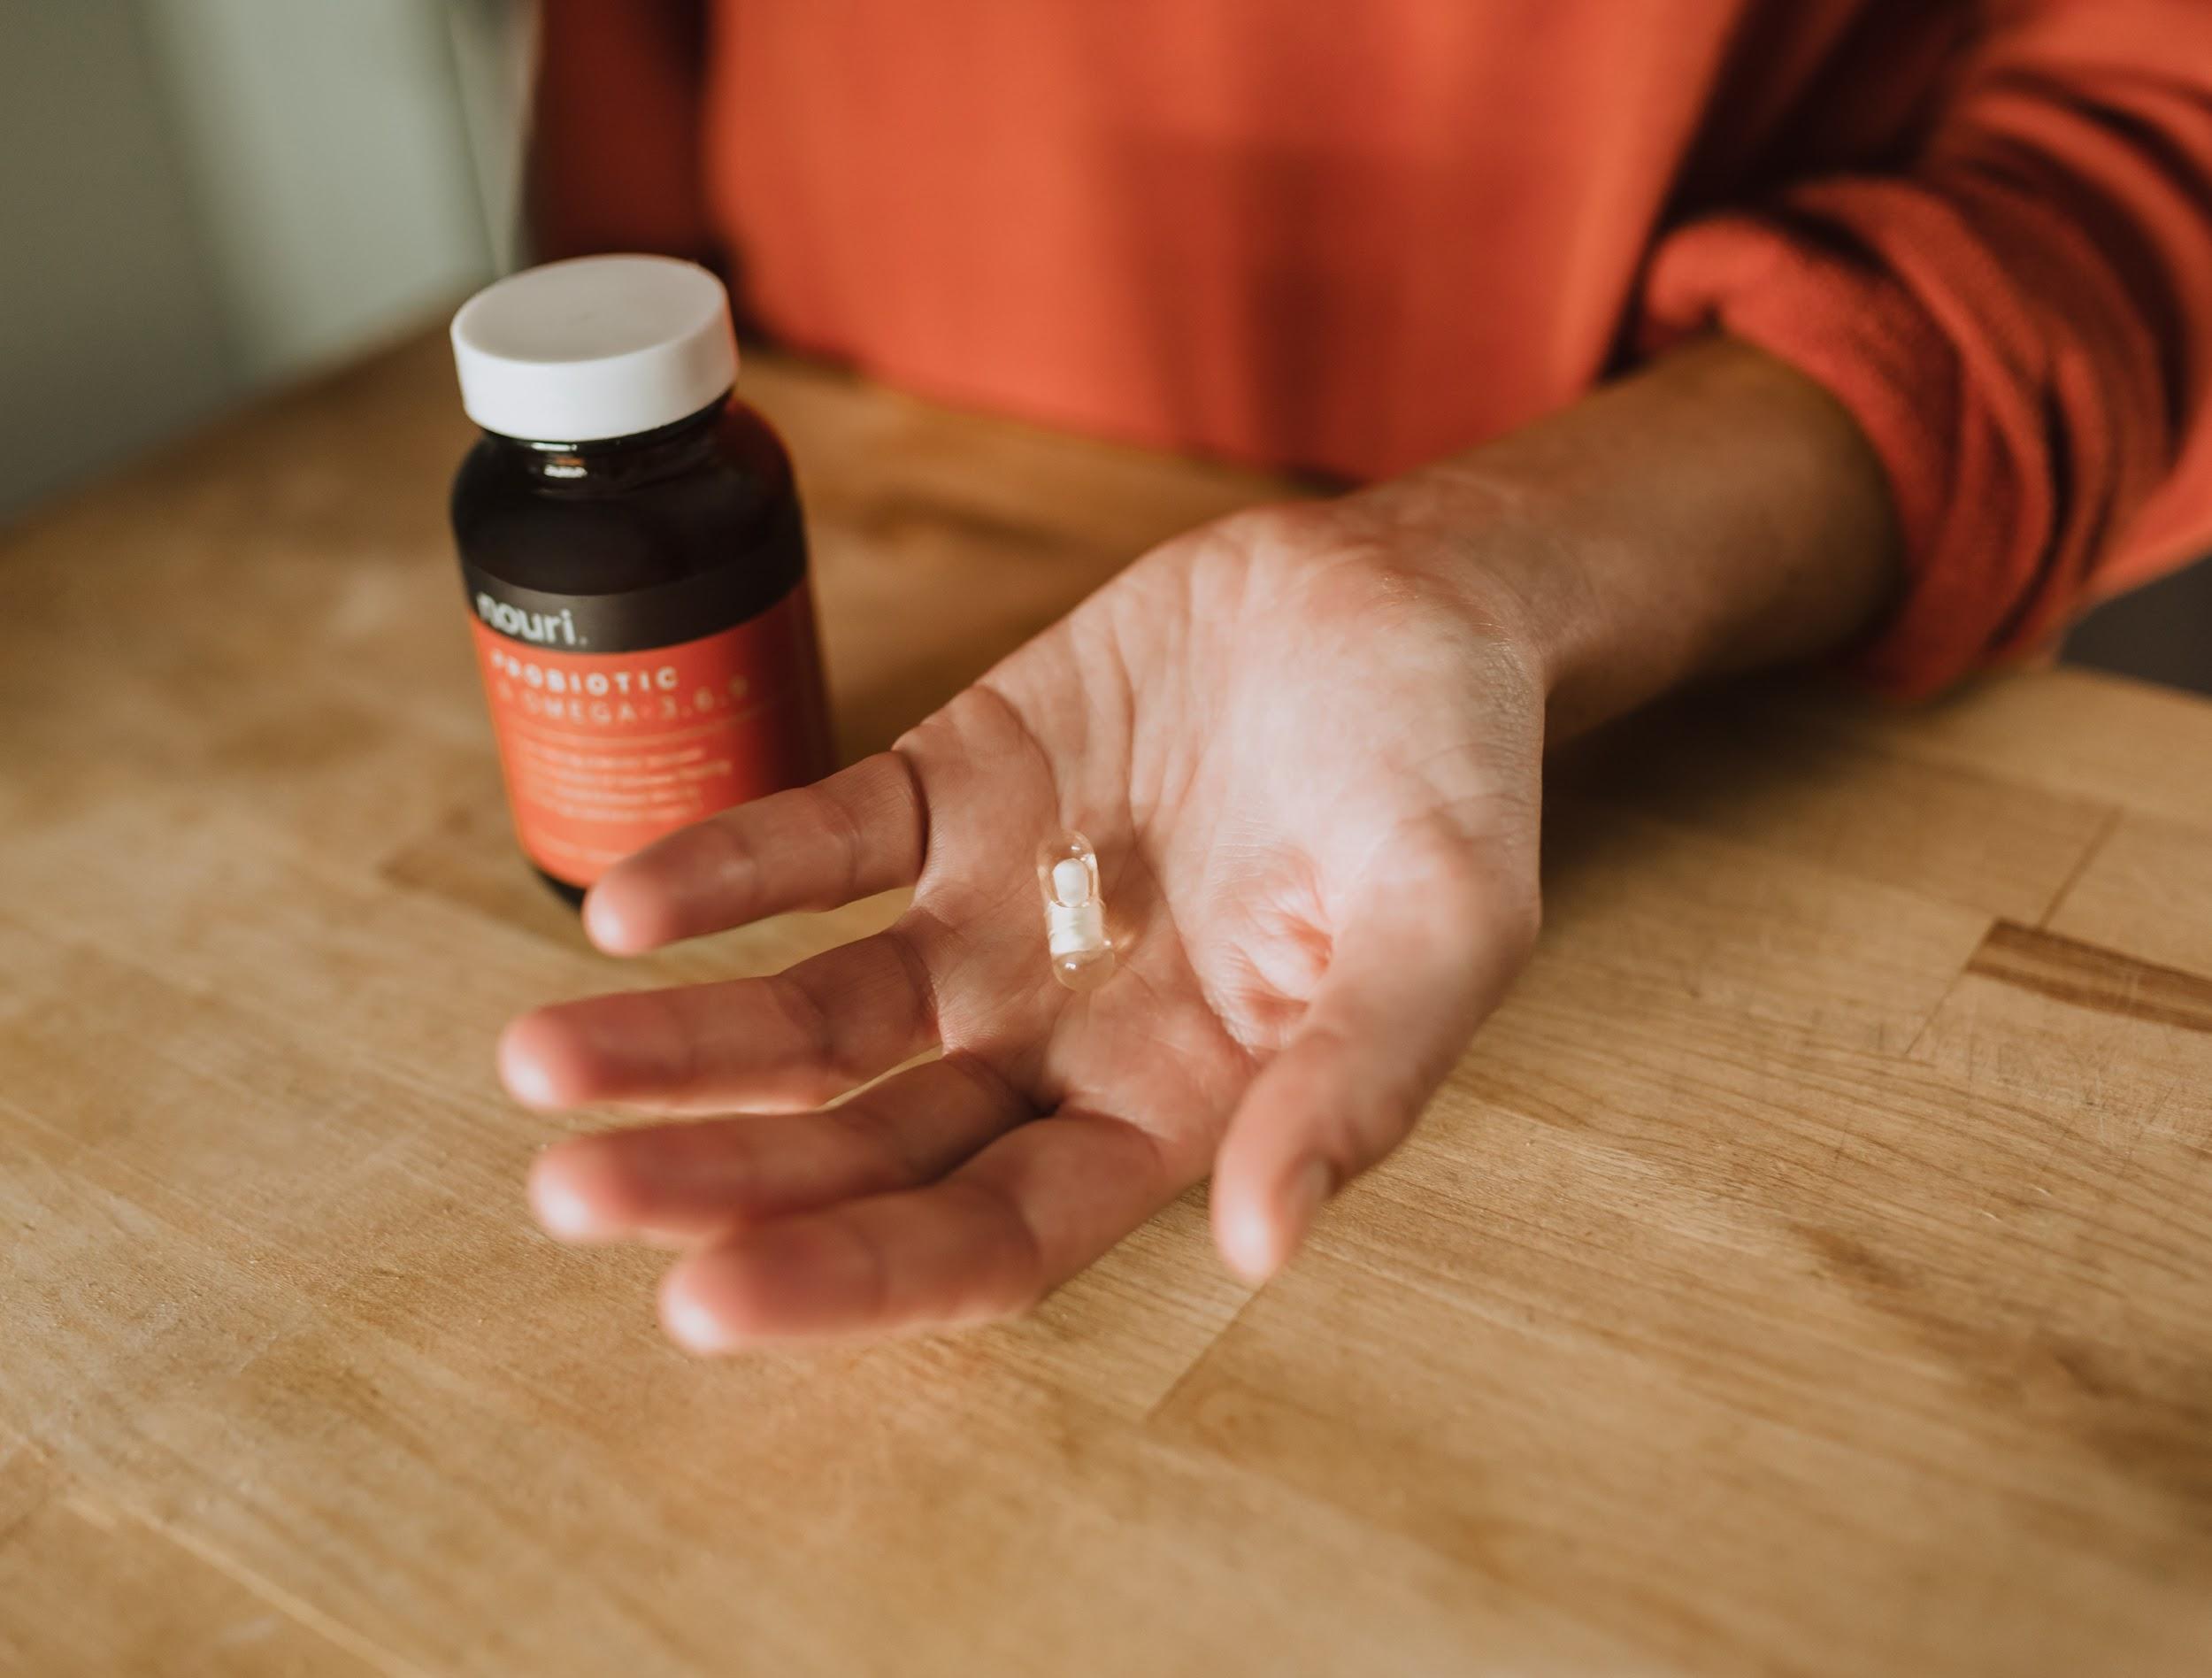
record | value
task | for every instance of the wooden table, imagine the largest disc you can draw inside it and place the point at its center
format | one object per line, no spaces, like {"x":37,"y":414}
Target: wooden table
{"x":1809,"y":1271}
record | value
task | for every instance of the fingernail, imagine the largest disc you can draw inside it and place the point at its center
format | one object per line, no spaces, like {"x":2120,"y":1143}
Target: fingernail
{"x":1309,"y":1190}
{"x":603,"y":923}
{"x":1258,"y":1241}
{"x":562,"y":1212}
{"x":1247,"y":1244}
{"x":524,"y":1074}
{"x":688,"y":1320}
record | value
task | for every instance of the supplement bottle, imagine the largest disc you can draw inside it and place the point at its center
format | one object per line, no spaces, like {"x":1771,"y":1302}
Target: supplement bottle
{"x":632,"y":559}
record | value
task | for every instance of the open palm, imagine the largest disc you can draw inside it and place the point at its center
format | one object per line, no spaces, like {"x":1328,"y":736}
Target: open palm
{"x":1310,"y":769}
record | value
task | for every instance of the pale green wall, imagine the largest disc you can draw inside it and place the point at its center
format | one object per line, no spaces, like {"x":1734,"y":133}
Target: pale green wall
{"x":204,"y":198}
{"x":111,"y":330}
{"x":329,"y":158}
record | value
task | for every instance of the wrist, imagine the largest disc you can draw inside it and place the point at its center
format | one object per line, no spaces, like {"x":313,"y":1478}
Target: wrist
{"x":1514,"y":557}
{"x":1716,"y":512}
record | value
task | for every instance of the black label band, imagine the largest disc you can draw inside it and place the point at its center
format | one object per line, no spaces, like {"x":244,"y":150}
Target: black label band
{"x":664,"y":615}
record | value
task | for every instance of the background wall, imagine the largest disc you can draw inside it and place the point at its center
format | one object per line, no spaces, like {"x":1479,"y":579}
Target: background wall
{"x":111,"y":333}
{"x":204,"y":196}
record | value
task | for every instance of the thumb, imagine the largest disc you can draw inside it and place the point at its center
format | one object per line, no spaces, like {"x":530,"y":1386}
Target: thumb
{"x":1415,"y":970}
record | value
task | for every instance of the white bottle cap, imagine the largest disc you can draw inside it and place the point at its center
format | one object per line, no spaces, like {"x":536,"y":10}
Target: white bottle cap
{"x":594,"y":347}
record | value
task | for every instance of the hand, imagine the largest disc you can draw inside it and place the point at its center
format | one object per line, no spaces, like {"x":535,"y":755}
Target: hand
{"x":1308,"y":761}
{"x":1307,"y":743}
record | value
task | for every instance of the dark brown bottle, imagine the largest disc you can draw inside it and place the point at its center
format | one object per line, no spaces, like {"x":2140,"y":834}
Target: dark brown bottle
{"x":634,"y":559}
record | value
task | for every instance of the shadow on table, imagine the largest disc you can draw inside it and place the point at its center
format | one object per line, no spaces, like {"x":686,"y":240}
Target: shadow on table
{"x":2162,"y":633}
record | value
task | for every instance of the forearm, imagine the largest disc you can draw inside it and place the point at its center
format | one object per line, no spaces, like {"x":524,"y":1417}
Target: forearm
{"x":1716,"y":512}
{"x":2013,"y":302}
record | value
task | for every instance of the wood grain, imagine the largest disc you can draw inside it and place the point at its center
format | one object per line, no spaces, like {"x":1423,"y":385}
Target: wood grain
{"x":2148,"y":891}
{"x":1737,"y":766}
{"x":2080,"y":733}
{"x":1803,"y":1273}
{"x":2088,"y":977}
{"x":116,"y":1596}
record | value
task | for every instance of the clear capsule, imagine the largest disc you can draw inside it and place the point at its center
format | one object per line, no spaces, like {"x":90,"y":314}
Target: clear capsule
{"x":1075,"y":914}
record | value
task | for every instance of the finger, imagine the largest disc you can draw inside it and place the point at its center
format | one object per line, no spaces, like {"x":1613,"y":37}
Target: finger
{"x":800,"y":1038}
{"x":858,"y":833}
{"x":680,"y":1184}
{"x":1414,"y":973}
{"x":991,"y":1239}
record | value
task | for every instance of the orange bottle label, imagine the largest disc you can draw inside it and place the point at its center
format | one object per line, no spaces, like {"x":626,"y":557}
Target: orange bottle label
{"x":605,"y":752}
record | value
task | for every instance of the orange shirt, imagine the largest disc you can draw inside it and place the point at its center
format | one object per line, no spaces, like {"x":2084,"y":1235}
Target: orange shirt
{"x":1355,"y":234}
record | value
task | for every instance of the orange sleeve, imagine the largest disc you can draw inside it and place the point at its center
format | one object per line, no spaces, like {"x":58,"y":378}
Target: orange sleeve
{"x":2020,"y":319}
{"x":615,"y":146}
